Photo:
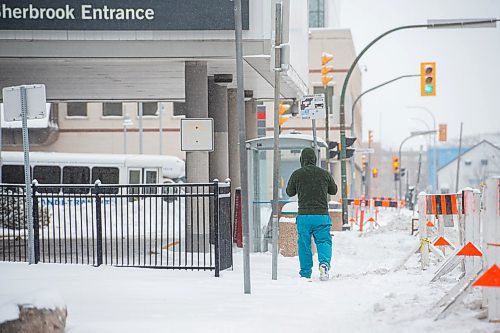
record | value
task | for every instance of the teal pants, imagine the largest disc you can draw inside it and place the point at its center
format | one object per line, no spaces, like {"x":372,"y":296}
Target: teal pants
{"x":319,"y":227}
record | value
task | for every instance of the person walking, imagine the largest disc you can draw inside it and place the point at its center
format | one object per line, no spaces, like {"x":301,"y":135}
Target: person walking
{"x":312,"y":185}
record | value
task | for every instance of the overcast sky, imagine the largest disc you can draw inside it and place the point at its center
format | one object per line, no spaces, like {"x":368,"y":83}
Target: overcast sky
{"x":467,"y":75}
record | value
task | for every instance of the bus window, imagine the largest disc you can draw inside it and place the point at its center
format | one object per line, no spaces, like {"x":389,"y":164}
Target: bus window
{"x":47,"y":175}
{"x":151,"y":178}
{"x":13,"y":174}
{"x":76,"y":175}
{"x":134,"y":177}
{"x":107,"y":175}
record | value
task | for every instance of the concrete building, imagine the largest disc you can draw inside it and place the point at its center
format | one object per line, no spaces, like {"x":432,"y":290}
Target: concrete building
{"x":477,"y":163}
{"x":122,"y":65}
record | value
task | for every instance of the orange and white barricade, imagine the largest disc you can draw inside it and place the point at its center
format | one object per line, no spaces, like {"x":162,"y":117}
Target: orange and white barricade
{"x":491,"y":241}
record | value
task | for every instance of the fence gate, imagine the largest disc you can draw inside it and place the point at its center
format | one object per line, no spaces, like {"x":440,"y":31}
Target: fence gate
{"x":172,"y":226}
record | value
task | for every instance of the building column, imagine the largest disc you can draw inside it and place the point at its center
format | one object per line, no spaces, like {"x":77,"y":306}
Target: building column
{"x":233,"y":139}
{"x":196,"y":95}
{"x":217,"y":109}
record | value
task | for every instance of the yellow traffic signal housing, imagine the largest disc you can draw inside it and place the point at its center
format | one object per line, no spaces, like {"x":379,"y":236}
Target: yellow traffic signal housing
{"x":326,"y":69}
{"x":283,"y":109}
{"x":428,"y":79}
{"x":375,"y":172}
{"x":325,"y":80}
{"x":395,"y":164}
{"x":325,"y":58}
{"x":442,"y":132}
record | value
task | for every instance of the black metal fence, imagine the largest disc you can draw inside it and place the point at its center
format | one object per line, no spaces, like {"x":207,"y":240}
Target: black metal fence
{"x":173,"y":226}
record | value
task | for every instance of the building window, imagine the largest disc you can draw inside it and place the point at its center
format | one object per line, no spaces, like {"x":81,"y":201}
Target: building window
{"x":316,"y":13}
{"x":149,"y":109}
{"x":484,"y":162}
{"x":76,"y":109}
{"x":112,"y":109}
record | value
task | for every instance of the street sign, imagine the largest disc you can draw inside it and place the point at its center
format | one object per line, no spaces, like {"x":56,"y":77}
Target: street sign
{"x":313,"y":107}
{"x":365,"y":150}
{"x":36,"y":99}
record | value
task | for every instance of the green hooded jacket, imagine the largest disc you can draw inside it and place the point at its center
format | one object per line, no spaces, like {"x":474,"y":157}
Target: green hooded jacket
{"x":312,"y":185}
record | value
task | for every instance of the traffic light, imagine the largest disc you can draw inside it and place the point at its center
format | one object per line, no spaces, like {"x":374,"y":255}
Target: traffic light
{"x":403,"y":172}
{"x":283,"y":109}
{"x":325,"y":59}
{"x":374,"y":172}
{"x":334,"y":148}
{"x":370,"y":137}
{"x":442,"y":132}
{"x":395,"y":165}
{"x":428,"y":79}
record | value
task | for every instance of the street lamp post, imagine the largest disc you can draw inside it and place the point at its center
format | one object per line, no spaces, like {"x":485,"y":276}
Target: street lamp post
{"x":412,"y":135}
{"x":435,"y":155}
{"x":434,"y":24}
{"x":367,"y":189}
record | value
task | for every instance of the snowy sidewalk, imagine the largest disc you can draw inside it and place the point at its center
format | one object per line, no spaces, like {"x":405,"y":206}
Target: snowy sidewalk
{"x":363,"y":296}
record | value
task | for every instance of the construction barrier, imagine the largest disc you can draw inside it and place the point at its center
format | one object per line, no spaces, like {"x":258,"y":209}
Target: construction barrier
{"x":478,"y":229}
{"x":490,"y":216}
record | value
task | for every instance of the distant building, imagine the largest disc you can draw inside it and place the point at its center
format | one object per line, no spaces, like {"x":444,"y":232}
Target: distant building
{"x":476,"y":164}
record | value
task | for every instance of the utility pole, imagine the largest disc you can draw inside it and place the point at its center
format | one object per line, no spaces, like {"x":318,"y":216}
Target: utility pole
{"x":458,"y":159}
{"x":276,"y":150}
{"x":240,"y":100}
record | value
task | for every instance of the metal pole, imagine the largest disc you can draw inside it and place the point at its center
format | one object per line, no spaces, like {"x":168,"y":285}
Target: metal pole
{"x":141,"y":146}
{"x":436,"y":154}
{"x":327,"y":130}
{"x":242,"y":136}
{"x":276,"y":150}
{"x":417,"y":183}
{"x":27,"y":176}
{"x":353,"y":164}
{"x":315,"y":140}
{"x":160,"y":119}
{"x":124,"y":139}
{"x":458,"y":159}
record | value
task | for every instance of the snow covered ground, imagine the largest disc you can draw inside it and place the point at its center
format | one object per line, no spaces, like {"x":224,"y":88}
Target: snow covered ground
{"x":365,"y":294}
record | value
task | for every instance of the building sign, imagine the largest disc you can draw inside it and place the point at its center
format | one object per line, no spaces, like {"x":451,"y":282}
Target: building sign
{"x":120,"y":14}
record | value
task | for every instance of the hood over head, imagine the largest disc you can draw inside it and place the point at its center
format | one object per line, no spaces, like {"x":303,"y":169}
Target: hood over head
{"x":307,"y":157}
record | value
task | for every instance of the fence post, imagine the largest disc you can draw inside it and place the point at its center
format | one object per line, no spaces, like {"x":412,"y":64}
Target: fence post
{"x":36,"y":223}
{"x":98,"y":217}
{"x":422,"y":230}
{"x":216,"y":227}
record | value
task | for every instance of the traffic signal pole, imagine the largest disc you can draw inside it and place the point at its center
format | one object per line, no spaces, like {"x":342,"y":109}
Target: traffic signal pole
{"x":451,"y":24}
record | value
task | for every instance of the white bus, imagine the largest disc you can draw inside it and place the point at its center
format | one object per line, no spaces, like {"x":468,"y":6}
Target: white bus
{"x":76,"y":168}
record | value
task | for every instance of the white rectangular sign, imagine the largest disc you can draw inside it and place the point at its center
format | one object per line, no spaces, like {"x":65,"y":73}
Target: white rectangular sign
{"x":365,"y":150}
{"x":197,"y":134}
{"x":313,"y":107}
{"x":35,"y":97}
